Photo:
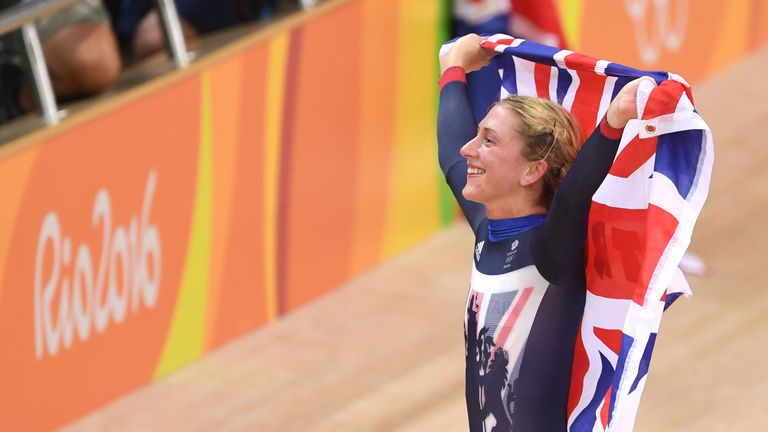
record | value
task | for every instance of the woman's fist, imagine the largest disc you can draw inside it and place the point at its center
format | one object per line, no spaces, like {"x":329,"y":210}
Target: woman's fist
{"x":624,"y":105}
{"x":467,"y":53}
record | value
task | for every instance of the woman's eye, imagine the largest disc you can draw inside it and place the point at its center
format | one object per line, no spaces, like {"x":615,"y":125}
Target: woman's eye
{"x":487,"y":140}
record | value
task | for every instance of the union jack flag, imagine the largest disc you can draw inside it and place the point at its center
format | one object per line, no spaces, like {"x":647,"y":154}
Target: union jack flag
{"x":640,"y":222}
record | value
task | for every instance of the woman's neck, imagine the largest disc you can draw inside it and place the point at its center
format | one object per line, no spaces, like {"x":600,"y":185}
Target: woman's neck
{"x":510,"y":209}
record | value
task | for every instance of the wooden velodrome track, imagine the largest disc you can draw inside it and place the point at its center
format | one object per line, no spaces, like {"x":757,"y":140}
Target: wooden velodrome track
{"x":385,"y":352}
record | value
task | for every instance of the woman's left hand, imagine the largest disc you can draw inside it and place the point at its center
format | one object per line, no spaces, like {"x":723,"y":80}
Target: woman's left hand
{"x":624,"y":105}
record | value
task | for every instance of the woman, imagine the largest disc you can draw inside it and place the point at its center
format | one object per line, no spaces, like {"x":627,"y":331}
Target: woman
{"x":527,"y":290}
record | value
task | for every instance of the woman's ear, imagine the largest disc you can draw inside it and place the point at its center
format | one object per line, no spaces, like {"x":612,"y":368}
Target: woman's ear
{"x":534,"y":172}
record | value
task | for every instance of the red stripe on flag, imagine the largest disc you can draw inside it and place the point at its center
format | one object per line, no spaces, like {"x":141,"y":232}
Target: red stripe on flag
{"x":633,"y":156}
{"x":541,"y":74}
{"x":624,"y":247}
{"x":606,"y":405}
{"x":611,"y":338}
{"x":663,"y":99}
{"x":579,"y":371}
{"x":490,"y":45}
{"x":689,"y":93}
{"x":506,"y":328}
{"x":580,"y":62}
{"x":589,"y":93}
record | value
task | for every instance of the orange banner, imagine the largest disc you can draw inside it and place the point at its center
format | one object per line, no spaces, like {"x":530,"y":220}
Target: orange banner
{"x":95,"y":257}
{"x":135,"y":239}
{"x":692,"y":38}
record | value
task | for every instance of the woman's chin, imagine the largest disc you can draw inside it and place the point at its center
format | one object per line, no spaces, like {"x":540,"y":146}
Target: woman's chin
{"x":472,"y":195}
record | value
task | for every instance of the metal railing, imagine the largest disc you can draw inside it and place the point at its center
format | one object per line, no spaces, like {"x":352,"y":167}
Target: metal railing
{"x":174,"y":37}
{"x":23,"y":15}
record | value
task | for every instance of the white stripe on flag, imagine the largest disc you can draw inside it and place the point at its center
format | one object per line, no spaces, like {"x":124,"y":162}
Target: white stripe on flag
{"x":503,"y":93}
{"x":632,"y":191}
{"x":684,"y":105}
{"x":664,"y":195}
{"x":570,"y":95}
{"x":524,"y":77}
{"x":605,"y":100}
{"x":499,"y":36}
{"x":638,"y":192}
{"x":517,"y":42}
{"x":678,"y":78}
{"x":600,"y":66}
{"x":553,"y":74}
{"x":605,"y":313}
{"x":560,"y":58}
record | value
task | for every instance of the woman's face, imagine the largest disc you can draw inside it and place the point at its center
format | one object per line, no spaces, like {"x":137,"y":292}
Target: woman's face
{"x":495,"y":164}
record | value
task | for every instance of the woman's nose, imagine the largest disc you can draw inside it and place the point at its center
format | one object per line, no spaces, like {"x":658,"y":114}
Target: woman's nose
{"x":469,"y":150}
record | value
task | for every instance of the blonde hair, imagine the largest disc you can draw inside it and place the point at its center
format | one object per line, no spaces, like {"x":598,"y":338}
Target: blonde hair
{"x":549,"y":133}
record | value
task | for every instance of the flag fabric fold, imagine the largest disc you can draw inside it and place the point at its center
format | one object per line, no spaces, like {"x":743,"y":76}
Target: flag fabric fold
{"x":640,"y":222}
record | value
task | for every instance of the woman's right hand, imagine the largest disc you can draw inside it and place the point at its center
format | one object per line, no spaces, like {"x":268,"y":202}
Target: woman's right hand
{"x":467,"y":53}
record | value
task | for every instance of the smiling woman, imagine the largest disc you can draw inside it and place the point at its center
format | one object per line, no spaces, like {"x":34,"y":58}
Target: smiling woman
{"x":529,"y":218}
{"x":540,"y":131}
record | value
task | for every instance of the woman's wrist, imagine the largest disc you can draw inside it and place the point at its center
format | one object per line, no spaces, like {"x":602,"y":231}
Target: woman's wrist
{"x":451,"y":74}
{"x":610,"y":131}
{"x":450,"y":61}
{"x":615,"y":120}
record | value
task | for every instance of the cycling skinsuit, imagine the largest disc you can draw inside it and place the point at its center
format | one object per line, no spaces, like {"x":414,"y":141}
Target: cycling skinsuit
{"x":527,"y":290}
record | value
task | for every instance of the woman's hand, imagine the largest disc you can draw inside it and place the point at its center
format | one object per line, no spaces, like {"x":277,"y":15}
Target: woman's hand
{"x":467,"y":53}
{"x":624,"y":105}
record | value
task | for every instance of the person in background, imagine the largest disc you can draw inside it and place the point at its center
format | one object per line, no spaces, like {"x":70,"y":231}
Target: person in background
{"x":80,"y":52}
{"x":140,"y":32}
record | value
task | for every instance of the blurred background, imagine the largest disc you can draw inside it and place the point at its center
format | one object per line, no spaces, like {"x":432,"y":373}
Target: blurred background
{"x":228,"y":215}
